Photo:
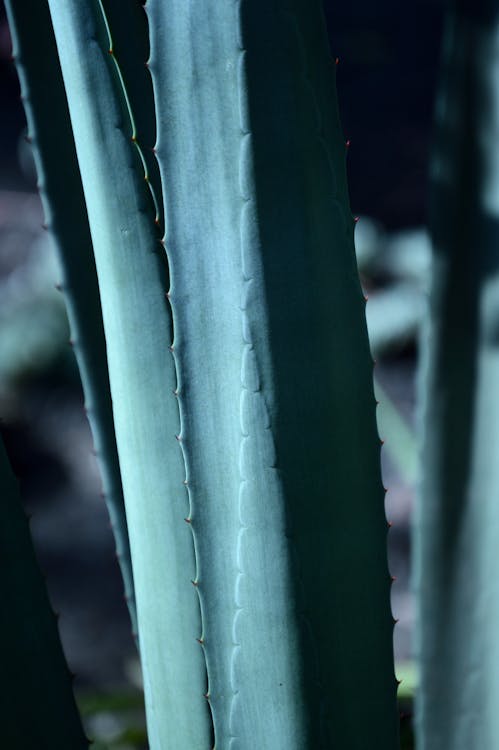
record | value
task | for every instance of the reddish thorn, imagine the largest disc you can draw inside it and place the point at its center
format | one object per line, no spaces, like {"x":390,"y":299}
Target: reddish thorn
{"x":337,"y":61}
{"x":207,"y":696}
{"x":110,"y":51}
{"x":171,"y":348}
{"x":175,"y":393}
{"x":187,"y":520}
{"x":393,"y":579}
{"x":389,"y":524}
{"x":356,"y":219}
{"x":179,"y":438}
{"x":156,"y":221}
{"x":134,"y":139}
{"x":347,"y":143}
{"x":195,"y":583}
{"x":200,"y":641}
{"x":382,"y":442}
{"x":58,"y":286}
{"x":366,"y":297}
{"x":71,"y":342}
{"x":168,"y":295}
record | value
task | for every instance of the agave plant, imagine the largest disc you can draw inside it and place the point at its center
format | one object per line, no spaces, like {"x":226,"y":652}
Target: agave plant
{"x":212,"y":232}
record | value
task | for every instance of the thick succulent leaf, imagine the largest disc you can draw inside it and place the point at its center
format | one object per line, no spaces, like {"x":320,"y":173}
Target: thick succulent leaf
{"x":37,"y":706}
{"x":133,"y":281}
{"x":66,"y":219}
{"x":275,"y":377}
{"x":457,"y":524}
